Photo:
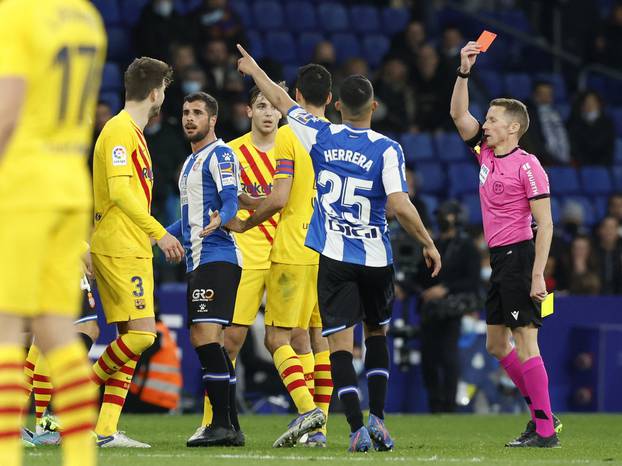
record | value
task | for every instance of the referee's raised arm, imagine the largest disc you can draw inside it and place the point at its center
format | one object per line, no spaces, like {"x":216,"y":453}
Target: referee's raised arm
{"x":466,"y":123}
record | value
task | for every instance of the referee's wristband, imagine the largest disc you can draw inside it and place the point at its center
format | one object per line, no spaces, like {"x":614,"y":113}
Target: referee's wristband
{"x":460,"y":74}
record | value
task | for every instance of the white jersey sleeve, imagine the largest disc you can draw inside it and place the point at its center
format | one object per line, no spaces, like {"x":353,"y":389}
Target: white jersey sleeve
{"x":305,"y":126}
{"x":394,"y":170}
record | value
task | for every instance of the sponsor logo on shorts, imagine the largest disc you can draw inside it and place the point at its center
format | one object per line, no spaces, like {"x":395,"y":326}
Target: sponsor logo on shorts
{"x":202,"y":308}
{"x":515,"y":315}
{"x":139,"y":303}
{"x":202,"y":295}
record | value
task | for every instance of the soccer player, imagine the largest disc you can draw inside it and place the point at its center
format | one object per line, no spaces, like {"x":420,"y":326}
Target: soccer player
{"x":513,"y":187}
{"x":51,"y":60}
{"x":292,"y":311}
{"x":357,"y":172}
{"x":121,"y":242}
{"x":208,"y":185}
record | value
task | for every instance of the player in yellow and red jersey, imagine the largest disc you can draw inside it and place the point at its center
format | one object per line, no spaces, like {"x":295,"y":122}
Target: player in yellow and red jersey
{"x":121,"y":242}
{"x":292,"y":312}
{"x":255,"y":152}
{"x":51,"y":59}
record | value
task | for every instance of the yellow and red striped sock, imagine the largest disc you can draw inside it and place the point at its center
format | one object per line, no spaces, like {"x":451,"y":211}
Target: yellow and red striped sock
{"x":41,"y":387}
{"x":11,"y":403}
{"x":289,"y":368}
{"x":308,"y":363}
{"x":323,"y":383}
{"x":29,"y":369}
{"x":115,"y":391}
{"x":128,"y":346}
{"x":75,"y":402}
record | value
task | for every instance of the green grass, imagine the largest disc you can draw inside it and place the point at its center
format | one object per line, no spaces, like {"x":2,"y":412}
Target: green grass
{"x":450,"y":439}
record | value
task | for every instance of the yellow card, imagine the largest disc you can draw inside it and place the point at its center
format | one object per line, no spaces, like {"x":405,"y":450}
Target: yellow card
{"x":547,"y":305}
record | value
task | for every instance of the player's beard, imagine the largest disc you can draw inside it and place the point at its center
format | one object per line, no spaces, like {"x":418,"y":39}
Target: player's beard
{"x":154,"y":111}
{"x":198,"y":135}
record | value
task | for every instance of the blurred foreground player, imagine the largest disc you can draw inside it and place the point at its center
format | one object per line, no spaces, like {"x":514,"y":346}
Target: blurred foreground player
{"x":50,"y":70}
{"x":357,"y":171}
{"x":513,"y":187}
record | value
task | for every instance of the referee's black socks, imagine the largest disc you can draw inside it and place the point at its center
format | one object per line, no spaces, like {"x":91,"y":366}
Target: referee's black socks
{"x":377,"y":371}
{"x":216,"y":381}
{"x":233,"y":409}
{"x":346,"y":386}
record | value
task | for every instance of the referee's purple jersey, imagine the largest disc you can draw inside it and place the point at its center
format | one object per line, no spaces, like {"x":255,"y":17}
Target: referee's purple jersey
{"x":506,"y":185}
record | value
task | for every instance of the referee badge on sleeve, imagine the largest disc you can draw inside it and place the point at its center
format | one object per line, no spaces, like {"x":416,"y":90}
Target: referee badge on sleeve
{"x":119,"y":156}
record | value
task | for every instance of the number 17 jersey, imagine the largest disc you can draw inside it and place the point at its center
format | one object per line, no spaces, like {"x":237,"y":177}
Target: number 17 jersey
{"x":58,"y":48}
{"x":355,"y":170}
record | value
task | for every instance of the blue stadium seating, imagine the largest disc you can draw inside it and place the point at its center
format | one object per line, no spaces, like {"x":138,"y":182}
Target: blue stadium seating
{"x":365,"y":18}
{"x":478,"y":112}
{"x":492,"y":81}
{"x":281,"y":46}
{"x":333,"y":17}
{"x":617,"y":156}
{"x":595,"y":180}
{"x":616,"y":173}
{"x":307,"y":41}
{"x":451,"y":148}
{"x":616,"y":114}
{"x":268,"y":15}
{"x":109,"y":10}
{"x":300,"y":16}
{"x":417,"y":147}
{"x":241,"y":8}
{"x":256,"y":43}
{"x":473,"y":208}
{"x":589,"y":216}
{"x":431,"y":203}
{"x":563,"y":180}
{"x":556,"y":210}
{"x":375,"y":47}
{"x":600,"y":206}
{"x":131,"y":11}
{"x":113,"y":99}
{"x":559,"y":85}
{"x":346,"y":46}
{"x":463,"y":179}
{"x":518,"y":85}
{"x":394,"y":20}
{"x":187,"y":6}
{"x":119,"y":45}
{"x":431,"y":177}
{"x":289,"y":74}
{"x":111,"y":78}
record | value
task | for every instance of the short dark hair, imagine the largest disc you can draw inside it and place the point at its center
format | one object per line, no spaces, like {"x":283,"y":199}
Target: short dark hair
{"x":355,"y":92}
{"x":211,"y":104}
{"x":515,"y":110}
{"x":314,"y":83}
{"x":254,"y":92}
{"x":144,"y":75}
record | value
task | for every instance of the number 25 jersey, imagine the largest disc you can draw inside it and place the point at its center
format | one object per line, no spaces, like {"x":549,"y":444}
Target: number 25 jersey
{"x":58,"y":47}
{"x":355,"y":169}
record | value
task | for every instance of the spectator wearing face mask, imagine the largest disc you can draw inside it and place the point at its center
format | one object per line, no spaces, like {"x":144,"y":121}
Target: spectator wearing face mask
{"x":215,"y":20}
{"x":592,"y":132}
{"x":189,"y":80}
{"x":159,"y":25}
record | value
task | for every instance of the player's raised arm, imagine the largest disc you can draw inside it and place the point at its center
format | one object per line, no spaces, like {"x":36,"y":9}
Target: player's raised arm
{"x":275,"y":94}
{"x":466,"y":124}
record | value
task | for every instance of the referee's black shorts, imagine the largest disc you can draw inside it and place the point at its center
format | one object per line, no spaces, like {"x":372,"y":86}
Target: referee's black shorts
{"x":351,"y":293}
{"x":508,"y":302}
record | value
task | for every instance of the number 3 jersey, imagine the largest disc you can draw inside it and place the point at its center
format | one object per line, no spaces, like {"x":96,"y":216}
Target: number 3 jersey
{"x":355,"y":170}
{"x":58,"y":49}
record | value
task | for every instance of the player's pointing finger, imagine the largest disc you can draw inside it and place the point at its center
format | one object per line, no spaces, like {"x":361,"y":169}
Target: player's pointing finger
{"x":242,"y":51}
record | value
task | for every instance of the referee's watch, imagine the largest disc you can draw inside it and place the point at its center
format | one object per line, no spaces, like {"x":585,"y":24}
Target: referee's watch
{"x":461,"y":74}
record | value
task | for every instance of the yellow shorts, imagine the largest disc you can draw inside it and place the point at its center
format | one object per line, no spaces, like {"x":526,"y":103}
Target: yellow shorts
{"x":125,"y":286}
{"x":250,"y":295}
{"x":292,"y":296}
{"x":41,"y":267}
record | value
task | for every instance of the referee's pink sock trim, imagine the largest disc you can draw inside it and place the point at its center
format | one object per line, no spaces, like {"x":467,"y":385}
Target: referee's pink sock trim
{"x":537,"y":384}
{"x":513,"y":369}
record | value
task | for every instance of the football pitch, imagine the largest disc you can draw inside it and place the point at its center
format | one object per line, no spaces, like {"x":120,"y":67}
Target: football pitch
{"x":447,"y":439}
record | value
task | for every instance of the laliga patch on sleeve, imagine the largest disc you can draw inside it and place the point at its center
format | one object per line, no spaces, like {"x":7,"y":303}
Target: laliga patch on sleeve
{"x":227,"y":173}
{"x":119,"y":156}
{"x":302,"y":116}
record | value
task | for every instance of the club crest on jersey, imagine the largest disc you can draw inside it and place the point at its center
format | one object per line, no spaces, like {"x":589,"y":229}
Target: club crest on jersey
{"x":197,"y":165}
{"x":119,"y":156}
{"x":139,"y":303}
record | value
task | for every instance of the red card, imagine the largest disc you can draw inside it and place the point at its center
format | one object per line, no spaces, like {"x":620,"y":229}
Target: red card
{"x":485,"y":39}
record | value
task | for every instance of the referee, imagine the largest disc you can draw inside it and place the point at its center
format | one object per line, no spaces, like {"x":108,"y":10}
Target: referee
{"x":513,"y":187}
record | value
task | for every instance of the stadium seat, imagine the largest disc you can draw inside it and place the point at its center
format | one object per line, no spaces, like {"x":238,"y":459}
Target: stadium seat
{"x":394,"y":20}
{"x":131,"y":11}
{"x":119,"y":45}
{"x":431,"y":203}
{"x":417,"y":147}
{"x":333,"y":17}
{"x":600,"y":207}
{"x":617,"y":156}
{"x":589,"y":217}
{"x":307,"y":41}
{"x":365,"y":18}
{"x":243,"y":10}
{"x":516,"y":19}
{"x":559,"y":85}
{"x":616,"y":114}
{"x":518,"y":85}
{"x":256,"y":44}
{"x":111,"y":78}
{"x":473,"y":209}
{"x":375,"y":47}
{"x":492,"y":81}
{"x":300,"y":16}
{"x":451,"y":148}
{"x":280,"y":46}
{"x":113,"y":99}
{"x":616,"y":173}
{"x":463,"y":179}
{"x":556,"y":210}
{"x":595,"y":180}
{"x":430,"y":178}
{"x":289,"y":74}
{"x":478,"y":112}
{"x":268,"y":15}
{"x":563,"y":180}
{"x":110,"y":11}
{"x":346,"y":46}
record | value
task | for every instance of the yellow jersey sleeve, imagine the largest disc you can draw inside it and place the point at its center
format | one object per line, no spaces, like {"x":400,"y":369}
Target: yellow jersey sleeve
{"x":116,"y":148}
{"x":284,"y":154}
{"x":16,"y":48}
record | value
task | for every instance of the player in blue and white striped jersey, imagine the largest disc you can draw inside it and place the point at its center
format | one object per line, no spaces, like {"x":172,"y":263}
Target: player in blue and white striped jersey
{"x":208,"y":186}
{"x":358,"y":174}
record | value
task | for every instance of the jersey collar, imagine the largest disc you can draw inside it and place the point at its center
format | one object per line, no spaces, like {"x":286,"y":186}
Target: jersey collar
{"x":194,"y":154}
{"x":509,"y":153}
